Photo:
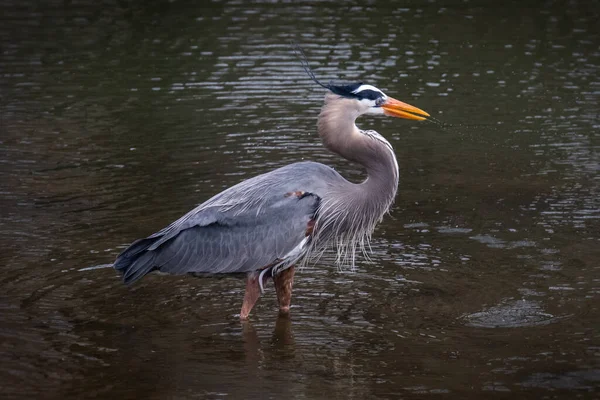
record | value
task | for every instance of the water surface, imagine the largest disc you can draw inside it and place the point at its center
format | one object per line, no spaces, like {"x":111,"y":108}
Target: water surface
{"x":116,"y":118}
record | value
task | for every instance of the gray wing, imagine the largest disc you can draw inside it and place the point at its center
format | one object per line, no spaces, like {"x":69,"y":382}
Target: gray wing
{"x":244,"y":228}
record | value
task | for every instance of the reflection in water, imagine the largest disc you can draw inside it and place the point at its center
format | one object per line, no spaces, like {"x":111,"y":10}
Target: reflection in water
{"x":282,"y":343}
{"x":282,"y":335}
{"x":116,"y":120}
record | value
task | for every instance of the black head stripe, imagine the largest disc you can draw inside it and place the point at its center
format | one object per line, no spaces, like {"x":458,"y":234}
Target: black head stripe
{"x":368,"y":94}
{"x":346,"y":90}
{"x":351,"y":91}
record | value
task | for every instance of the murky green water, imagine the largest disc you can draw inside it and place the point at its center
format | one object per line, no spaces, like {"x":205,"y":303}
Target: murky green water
{"x":116,"y":118}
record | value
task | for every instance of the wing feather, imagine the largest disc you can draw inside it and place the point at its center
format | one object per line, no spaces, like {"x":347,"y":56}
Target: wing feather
{"x":223,"y":241}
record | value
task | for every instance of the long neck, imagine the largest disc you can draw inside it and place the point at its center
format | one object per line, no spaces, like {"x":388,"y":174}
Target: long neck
{"x":349,"y":212}
{"x":337,"y":129}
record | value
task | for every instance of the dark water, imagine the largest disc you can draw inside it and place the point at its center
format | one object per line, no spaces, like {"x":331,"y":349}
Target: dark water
{"x":118,"y":117}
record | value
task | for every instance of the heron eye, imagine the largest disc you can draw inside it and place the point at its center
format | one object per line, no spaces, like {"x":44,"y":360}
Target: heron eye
{"x":379,"y":102}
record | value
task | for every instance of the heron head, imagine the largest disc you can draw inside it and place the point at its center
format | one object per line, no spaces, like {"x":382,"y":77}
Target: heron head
{"x":374,"y":101}
{"x":370,"y":99}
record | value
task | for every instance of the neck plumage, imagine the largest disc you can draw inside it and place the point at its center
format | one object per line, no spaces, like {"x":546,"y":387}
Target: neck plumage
{"x":348,"y":214}
{"x":337,"y":128}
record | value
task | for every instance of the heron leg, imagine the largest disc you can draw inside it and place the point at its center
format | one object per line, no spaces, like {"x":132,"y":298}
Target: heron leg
{"x":283,"y":286}
{"x":251,"y":296}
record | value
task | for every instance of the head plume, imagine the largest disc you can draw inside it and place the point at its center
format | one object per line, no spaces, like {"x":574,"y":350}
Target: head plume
{"x":347,"y":90}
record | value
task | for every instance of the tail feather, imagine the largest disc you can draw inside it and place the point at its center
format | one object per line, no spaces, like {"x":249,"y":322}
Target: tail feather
{"x":135,"y":261}
{"x":140,"y":267}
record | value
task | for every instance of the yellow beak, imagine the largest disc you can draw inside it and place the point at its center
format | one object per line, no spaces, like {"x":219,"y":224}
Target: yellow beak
{"x":396,"y":108}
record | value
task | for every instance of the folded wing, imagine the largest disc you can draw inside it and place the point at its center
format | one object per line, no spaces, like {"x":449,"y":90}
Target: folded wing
{"x":217,"y":239}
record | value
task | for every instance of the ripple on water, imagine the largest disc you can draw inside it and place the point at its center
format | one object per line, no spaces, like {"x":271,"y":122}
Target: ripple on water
{"x":511,"y":314}
{"x":581,"y":380}
{"x":453,"y":230}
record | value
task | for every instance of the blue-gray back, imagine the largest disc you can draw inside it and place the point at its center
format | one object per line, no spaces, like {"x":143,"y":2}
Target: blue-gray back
{"x":244,"y":228}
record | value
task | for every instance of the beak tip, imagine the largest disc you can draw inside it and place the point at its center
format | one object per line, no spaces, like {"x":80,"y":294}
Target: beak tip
{"x":399,"y":109}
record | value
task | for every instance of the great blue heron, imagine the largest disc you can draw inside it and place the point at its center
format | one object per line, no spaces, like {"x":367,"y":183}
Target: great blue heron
{"x":266,"y":225}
